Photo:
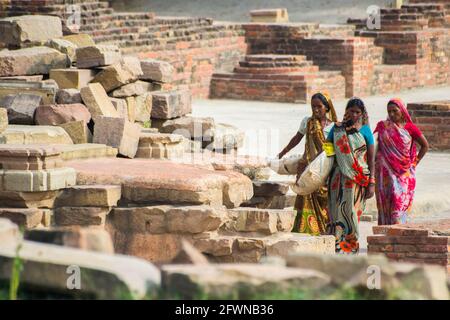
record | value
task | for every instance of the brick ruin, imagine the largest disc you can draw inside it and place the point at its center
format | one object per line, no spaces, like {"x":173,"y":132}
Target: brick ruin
{"x":433,"y":118}
{"x":416,"y":242}
{"x":223,"y":60}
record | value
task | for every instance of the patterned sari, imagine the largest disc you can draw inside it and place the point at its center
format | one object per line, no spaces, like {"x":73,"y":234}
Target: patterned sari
{"x":395,"y":170}
{"x":312,"y":213}
{"x":347,"y":189}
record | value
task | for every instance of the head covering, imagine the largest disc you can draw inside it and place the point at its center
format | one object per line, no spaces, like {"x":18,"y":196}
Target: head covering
{"x":332,"y":111}
{"x":399,"y":103}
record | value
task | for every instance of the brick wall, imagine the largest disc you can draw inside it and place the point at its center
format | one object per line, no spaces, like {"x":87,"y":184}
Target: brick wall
{"x":433,"y":118}
{"x":427,"y":243}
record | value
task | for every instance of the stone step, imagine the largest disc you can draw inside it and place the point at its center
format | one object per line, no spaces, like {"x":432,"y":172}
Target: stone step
{"x":274,"y":58}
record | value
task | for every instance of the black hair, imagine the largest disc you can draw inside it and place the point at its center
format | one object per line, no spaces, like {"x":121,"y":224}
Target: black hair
{"x":322,"y":98}
{"x":357,"y":102}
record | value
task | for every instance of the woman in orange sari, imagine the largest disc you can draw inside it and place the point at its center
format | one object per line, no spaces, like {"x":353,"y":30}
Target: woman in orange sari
{"x":396,"y":162}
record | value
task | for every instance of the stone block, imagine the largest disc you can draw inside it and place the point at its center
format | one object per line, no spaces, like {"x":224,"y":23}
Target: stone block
{"x":265,"y":221}
{"x":143,"y":107}
{"x":89,"y":196}
{"x":131,"y":107}
{"x":78,"y":131}
{"x":54,"y":115}
{"x":80,"y":40}
{"x":37,"y":180}
{"x":86,"y":151}
{"x":21,"y":157}
{"x":84,"y":238}
{"x":269,"y":188}
{"x":29,"y":30}
{"x":238,"y":281}
{"x":171,"y":104}
{"x":192,"y":128}
{"x":31,"y":61}
{"x":21,"y":107}
{"x":3,"y":119}
{"x":68,"y":96}
{"x":117,"y":133}
{"x":132,"y":89}
{"x":188,"y":254}
{"x":80,"y":216}
{"x":226,"y":138}
{"x":15,"y":199}
{"x":45,"y":89}
{"x":26,"y":218}
{"x":157,"y":70}
{"x":119,"y":74}
{"x":97,"y":101}
{"x":72,"y":78}
{"x":121,"y":107}
{"x":45,"y":269}
{"x":18,"y":134}
{"x":160,"y":146}
{"x":63,"y":46}
{"x":270,"y":15}
{"x":97,"y":56}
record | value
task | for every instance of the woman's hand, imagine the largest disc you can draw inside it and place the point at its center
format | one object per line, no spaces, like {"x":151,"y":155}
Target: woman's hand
{"x":370,"y":191}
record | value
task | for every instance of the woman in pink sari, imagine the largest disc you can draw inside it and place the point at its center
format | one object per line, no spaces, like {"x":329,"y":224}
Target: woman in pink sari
{"x":396,"y":161}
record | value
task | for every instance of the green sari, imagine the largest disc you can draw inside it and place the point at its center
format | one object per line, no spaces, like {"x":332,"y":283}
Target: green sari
{"x":347,"y":189}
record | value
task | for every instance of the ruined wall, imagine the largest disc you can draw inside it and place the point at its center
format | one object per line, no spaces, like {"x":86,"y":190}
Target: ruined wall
{"x":433,"y":118}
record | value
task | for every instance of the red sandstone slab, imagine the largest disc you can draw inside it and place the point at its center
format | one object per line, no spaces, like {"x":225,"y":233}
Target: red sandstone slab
{"x":158,"y":181}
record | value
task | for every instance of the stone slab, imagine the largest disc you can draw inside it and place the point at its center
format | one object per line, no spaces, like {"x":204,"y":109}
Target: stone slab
{"x":89,"y":196}
{"x":18,"y":134}
{"x":72,"y":78}
{"x":45,"y":89}
{"x":25,"y":218}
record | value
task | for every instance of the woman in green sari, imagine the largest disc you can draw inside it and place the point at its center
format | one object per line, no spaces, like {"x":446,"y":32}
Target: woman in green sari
{"x":351,"y":180}
{"x":312,"y":213}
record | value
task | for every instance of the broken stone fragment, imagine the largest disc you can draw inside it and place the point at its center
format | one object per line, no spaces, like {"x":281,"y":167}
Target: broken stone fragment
{"x":97,"y":101}
{"x":72,"y":78}
{"x":97,"y":56}
{"x":171,"y":104}
{"x":68,"y":96}
{"x":21,"y":107}
{"x":54,"y":115}
{"x":157,"y":70}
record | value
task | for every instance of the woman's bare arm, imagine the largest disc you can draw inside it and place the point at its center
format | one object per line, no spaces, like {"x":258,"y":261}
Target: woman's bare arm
{"x":424,"y":147}
{"x":292,"y":144}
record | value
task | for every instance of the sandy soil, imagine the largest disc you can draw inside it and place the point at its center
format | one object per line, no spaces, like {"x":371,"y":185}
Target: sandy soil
{"x":325,"y":11}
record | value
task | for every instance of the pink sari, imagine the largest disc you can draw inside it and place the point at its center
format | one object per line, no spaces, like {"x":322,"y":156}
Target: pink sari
{"x":395,"y":169}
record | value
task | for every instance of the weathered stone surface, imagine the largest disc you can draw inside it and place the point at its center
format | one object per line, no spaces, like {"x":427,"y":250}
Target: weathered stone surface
{"x":14,"y":199}
{"x":26,"y":218}
{"x":97,"y":56}
{"x":78,"y":131}
{"x":45,"y":268}
{"x":34,"y":78}
{"x":54,"y":115}
{"x":80,"y":40}
{"x":35,"y":157}
{"x":264,"y":221}
{"x":37,"y":180}
{"x":188,"y":254}
{"x":63,"y":46}
{"x":68,"y":96}
{"x":150,"y":181}
{"x":3,"y":119}
{"x":119,"y":74}
{"x":21,"y":107}
{"x":72,"y":78}
{"x":80,"y":216}
{"x":241,"y":281}
{"x":157,"y":70}
{"x":226,"y":138}
{"x":131,"y":107}
{"x":30,"y":61}
{"x":143,"y":108}
{"x":269,"y":188}
{"x":132,"y":89}
{"x":17,"y":134}
{"x":160,"y":145}
{"x":89,"y":196}
{"x":171,"y":104}
{"x":398,"y":280}
{"x":167,"y":219}
{"x":45,"y":89}
{"x":279,"y":15}
{"x":97,"y":101}
{"x":192,"y":128}
{"x":86,"y":151}
{"x":85,"y":238}
{"x":121,"y":107}
{"x":283,"y":244}
{"x":272,"y":202}
{"x":118,"y":133}
{"x":29,"y":30}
